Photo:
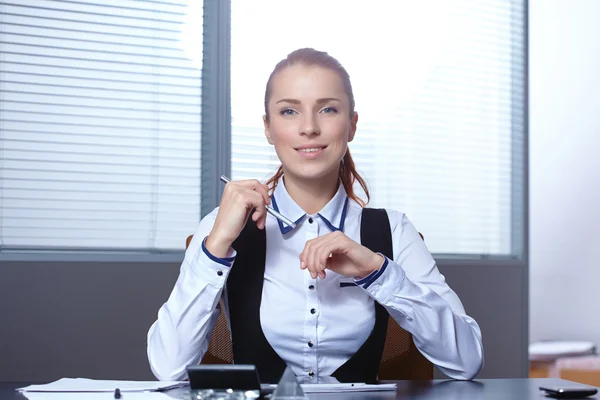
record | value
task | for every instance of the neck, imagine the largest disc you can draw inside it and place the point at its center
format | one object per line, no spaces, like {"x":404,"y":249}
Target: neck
{"x":312,"y":194}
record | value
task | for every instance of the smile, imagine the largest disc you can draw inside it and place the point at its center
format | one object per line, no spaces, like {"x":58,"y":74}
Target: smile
{"x":311,"y":150}
{"x":310,"y":153}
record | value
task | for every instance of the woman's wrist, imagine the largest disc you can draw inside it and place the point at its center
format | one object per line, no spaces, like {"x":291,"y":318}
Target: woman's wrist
{"x":217,"y":246}
{"x":374,"y":265}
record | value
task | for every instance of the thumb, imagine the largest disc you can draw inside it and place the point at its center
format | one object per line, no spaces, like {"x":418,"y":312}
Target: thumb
{"x":333,"y":262}
{"x":329,"y":263}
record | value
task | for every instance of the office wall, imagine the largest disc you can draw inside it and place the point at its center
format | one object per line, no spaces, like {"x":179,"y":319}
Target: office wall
{"x":565,"y":169}
{"x":91,"y":319}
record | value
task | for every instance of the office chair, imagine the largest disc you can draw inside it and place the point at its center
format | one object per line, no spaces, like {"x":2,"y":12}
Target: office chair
{"x":401,"y":360}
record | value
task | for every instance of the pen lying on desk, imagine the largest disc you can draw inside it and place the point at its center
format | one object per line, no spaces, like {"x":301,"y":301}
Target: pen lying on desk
{"x":270,"y":209}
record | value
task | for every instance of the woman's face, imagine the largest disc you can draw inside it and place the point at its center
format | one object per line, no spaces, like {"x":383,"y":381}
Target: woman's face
{"x":309,"y":121}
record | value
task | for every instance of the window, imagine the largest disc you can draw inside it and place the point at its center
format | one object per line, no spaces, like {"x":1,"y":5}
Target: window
{"x":439,"y":87}
{"x":99,"y":124}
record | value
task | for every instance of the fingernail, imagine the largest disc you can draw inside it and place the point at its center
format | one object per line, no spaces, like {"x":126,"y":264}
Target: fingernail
{"x":302,"y":265}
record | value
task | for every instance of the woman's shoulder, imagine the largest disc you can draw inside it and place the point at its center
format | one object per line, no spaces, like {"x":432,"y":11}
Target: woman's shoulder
{"x":394,"y":215}
{"x":396,"y":218}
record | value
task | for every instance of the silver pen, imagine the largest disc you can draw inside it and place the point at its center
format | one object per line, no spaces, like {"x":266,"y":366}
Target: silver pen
{"x":270,"y":209}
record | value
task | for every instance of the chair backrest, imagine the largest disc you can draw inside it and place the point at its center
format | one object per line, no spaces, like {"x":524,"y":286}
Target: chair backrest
{"x":400,"y":360}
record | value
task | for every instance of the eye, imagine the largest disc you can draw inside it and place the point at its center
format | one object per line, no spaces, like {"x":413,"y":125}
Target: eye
{"x":287,"y":112}
{"x":329,"y":110}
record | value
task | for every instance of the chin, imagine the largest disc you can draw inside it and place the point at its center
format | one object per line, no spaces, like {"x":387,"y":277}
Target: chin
{"x":312,"y":172}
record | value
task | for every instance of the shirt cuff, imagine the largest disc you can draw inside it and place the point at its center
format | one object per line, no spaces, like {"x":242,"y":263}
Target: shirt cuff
{"x":382,"y":283}
{"x":211,"y":269}
{"x":226,"y":261}
{"x":372,"y":277}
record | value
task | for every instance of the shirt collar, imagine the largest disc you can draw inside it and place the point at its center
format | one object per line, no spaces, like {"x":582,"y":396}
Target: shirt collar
{"x":333,"y":214}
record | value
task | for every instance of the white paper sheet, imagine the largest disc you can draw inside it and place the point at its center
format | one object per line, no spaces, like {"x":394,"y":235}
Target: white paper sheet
{"x":345,"y":387}
{"x":92,"y":385}
{"x":95,"y":396}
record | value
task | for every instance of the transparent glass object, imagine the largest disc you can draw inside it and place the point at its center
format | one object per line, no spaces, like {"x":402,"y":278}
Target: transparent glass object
{"x":288,"y":387}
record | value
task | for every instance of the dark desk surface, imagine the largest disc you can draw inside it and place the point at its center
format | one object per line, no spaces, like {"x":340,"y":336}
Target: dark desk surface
{"x":488,"y":389}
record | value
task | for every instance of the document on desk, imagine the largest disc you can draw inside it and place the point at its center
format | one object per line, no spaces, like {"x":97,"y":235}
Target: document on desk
{"x":82,"y":385}
{"x":95,"y":396}
{"x":346,"y":387}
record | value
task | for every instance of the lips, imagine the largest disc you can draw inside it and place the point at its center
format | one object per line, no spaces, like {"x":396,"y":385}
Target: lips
{"x":310,"y":151}
{"x":310,"y":147}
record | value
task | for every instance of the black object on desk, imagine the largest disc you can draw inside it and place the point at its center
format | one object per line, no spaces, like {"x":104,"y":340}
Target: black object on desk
{"x":117,"y":393}
{"x":223,"y":376}
{"x":571,"y":391}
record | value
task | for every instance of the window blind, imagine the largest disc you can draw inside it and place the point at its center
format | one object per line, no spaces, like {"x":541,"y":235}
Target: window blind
{"x":99,"y":124}
{"x":439,"y":87}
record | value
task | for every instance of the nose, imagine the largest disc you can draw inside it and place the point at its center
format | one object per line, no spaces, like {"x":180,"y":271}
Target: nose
{"x":310,"y":126}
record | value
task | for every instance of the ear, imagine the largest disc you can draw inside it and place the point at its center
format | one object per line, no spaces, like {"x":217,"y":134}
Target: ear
{"x":267,"y":129}
{"x":353,"y":123}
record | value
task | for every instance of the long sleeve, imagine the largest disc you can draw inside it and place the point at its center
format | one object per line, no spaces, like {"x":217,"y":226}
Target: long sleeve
{"x":180,"y":335}
{"x":416,"y":295}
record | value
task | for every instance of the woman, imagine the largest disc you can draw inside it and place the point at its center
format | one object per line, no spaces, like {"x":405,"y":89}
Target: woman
{"x":313,"y":297}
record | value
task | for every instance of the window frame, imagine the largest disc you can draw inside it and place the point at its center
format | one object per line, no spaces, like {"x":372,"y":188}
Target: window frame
{"x":216,"y":152}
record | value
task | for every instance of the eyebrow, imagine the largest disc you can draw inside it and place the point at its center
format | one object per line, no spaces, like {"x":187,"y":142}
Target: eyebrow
{"x":319,"y":101}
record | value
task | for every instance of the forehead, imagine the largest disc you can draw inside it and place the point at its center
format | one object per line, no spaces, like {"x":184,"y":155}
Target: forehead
{"x":307,"y":82}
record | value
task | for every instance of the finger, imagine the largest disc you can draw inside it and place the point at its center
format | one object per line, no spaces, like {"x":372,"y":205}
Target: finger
{"x":255,"y":200}
{"x":315,"y":258}
{"x":322,"y":257}
{"x":262,"y":221}
{"x":331,"y":243}
{"x":310,"y":264}
{"x":303,"y":255}
{"x":254,"y":185}
{"x":329,"y":263}
{"x":259,"y":188}
{"x":307,"y":258}
{"x":266,"y":188}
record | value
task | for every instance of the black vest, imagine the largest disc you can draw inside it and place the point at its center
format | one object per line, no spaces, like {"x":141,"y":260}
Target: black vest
{"x":244,"y":290}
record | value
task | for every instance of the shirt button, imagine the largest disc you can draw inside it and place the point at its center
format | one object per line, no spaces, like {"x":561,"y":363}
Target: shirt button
{"x":310,"y":343}
{"x":311,"y":287}
{"x":311,"y":373}
{"x":220,"y":273}
{"x":310,"y":220}
{"x":312,"y":311}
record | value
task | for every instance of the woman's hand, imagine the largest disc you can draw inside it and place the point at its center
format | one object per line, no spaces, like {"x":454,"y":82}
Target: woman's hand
{"x":339,"y":253}
{"x":237,"y":202}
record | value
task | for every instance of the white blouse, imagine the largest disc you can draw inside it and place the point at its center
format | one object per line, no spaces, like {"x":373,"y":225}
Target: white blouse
{"x":314,"y":344}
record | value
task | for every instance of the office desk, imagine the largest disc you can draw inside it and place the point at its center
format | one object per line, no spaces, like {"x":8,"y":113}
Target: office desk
{"x":488,"y":389}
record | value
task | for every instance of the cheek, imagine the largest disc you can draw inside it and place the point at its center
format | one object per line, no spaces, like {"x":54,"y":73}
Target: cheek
{"x":337,"y":130}
{"x":282,"y":132}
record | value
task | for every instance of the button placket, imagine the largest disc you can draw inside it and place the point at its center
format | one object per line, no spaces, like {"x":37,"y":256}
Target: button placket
{"x":312,"y":303}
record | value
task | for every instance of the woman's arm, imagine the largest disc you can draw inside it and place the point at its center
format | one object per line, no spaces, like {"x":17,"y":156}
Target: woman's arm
{"x":180,"y":335}
{"x":416,"y":295}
